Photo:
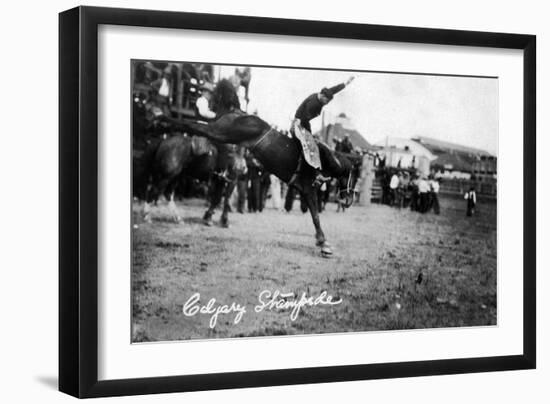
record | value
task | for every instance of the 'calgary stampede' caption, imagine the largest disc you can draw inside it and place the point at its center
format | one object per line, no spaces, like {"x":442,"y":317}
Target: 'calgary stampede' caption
{"x":267,"y":300}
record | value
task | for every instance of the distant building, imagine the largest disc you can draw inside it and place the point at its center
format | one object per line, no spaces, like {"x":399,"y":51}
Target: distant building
{"x":457,"y":161}
{"x":405,"y":153}
{"x":338,"y":130}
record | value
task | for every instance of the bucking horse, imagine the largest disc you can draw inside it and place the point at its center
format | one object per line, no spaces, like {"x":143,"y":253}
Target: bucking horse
{"x":279,"y":155}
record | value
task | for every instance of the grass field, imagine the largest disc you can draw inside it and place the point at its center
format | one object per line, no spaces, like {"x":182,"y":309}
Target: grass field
{"x":392,"y":269}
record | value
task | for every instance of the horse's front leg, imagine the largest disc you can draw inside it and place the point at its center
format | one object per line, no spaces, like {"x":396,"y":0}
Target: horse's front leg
{"x":226,"y":203}
{"x":311,"y":200}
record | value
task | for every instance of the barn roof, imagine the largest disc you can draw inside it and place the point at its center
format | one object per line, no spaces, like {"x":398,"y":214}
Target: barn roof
{"x":439,"y":147}
{"x":415,"y":148}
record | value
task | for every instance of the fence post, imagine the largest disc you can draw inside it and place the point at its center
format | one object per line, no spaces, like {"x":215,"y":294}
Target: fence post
{"x":367,"y":176}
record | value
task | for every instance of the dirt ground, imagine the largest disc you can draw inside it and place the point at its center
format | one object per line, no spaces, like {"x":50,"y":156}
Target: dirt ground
{"x":392,"y":269}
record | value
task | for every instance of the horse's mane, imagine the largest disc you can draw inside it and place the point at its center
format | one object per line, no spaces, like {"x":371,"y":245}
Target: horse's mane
{"x":225,"y":97}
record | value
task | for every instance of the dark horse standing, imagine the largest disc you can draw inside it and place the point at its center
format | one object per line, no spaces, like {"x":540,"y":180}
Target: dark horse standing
{"x":279,"y":155}
{"x":196,"y":157}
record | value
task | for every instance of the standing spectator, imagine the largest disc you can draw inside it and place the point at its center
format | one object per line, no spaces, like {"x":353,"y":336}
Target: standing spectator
{"x":423,"y":190}
{"x":394,"y":184}
{"x":203,"y":102}
{"x":161,"y":91}
{"x":434,"y":185}
{"x":242,"y":186}
{"x":255,"y":175}
{"x":471,"y":199}
{"x":265,"y":184}
{"x":276,"y":201}
{"x":376,"y":161}
{"x":245,"y":76}
{"x":404,"y":189}
{"x":413,"y":185}
{"x":289,"y":198}
{"x":400,"y":191}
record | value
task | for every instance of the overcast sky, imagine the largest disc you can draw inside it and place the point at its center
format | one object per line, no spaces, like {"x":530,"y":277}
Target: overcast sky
{"x":461,"y":110}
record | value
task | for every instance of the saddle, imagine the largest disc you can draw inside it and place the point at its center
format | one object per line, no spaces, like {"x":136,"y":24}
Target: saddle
{"x":309,"y":145}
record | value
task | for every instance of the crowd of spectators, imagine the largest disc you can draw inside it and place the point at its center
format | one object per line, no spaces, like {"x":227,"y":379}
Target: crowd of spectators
{"x":407,"y":189}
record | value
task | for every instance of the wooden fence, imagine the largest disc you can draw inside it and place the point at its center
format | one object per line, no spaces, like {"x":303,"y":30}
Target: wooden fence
{"x":484,"y":190}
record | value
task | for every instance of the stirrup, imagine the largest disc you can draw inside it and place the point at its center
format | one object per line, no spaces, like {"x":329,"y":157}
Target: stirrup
{"x":319,"y":180}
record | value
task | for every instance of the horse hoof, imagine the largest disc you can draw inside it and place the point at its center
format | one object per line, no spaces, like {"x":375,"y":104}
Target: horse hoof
{"x":208,"y":222}
{"x":326,"y":251}
{"x":225,"y":225}
{"x":322,"y":244}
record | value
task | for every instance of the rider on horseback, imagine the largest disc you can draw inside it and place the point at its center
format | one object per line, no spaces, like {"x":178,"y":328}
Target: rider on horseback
{"x":311,"y":108}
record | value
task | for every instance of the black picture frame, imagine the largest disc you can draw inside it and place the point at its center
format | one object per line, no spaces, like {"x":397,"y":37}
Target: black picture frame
{"x":78,"y":201}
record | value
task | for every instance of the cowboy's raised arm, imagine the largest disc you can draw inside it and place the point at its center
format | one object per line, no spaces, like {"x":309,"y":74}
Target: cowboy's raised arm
{"x":340,"y":87}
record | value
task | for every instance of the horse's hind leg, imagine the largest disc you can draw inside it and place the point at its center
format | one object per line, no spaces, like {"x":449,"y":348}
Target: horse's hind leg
{"x":226,"y":203}
{"x":156,"y":189}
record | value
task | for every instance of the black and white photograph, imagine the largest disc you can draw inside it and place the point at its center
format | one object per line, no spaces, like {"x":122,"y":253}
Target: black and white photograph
{"x":276,"y":201}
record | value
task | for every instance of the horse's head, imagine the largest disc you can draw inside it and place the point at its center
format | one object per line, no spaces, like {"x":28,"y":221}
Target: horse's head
{"x":224,"y":98}
{"x":345,"y":168}
{"x":347,"y":181}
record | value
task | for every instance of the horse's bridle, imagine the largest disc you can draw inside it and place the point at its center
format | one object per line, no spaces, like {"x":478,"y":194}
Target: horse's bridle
{"x":347,"y":192}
